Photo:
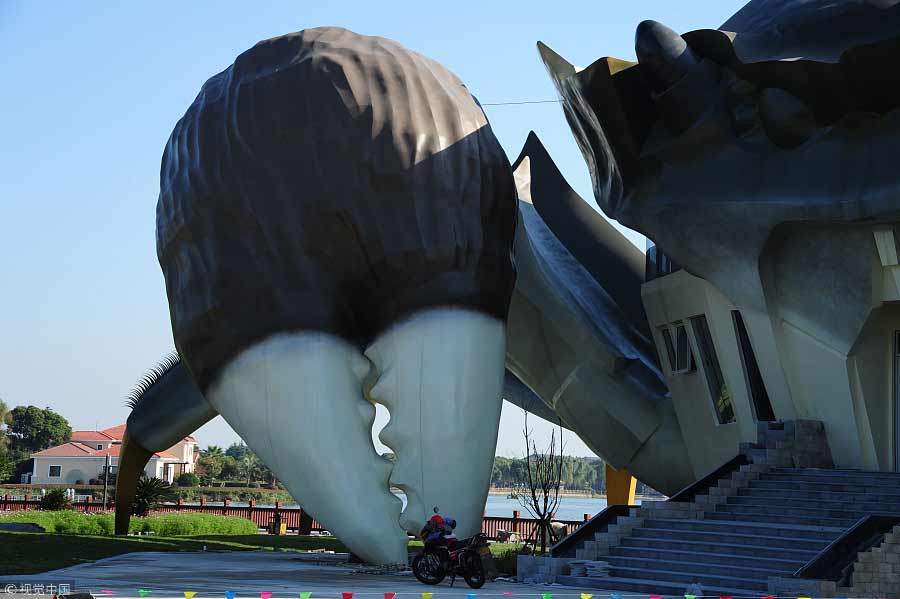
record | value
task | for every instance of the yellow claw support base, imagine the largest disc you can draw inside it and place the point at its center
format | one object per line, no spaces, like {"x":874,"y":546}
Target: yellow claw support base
{"x":620,"y":486}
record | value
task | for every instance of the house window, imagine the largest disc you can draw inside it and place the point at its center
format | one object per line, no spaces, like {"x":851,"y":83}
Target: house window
{"x":718,"y":390}
{"x":99,"y":446}
{"x":55,"y":472}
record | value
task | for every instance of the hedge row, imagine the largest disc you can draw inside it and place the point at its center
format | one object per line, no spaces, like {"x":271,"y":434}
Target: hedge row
{"x":169,"y":525}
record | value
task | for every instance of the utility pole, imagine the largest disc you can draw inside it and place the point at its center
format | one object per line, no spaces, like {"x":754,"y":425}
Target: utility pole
{"x":106,"y":481}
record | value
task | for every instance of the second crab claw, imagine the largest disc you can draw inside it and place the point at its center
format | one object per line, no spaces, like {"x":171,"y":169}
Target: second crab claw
{"x":664,"y":56}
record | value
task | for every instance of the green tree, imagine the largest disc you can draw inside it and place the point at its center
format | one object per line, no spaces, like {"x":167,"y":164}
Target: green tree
{"x":212,"y":451}
{"x":237,"y":451}
{"x":31,"y":429}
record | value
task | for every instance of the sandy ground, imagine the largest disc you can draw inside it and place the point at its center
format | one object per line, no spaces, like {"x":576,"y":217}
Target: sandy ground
{"x":284,"y":574}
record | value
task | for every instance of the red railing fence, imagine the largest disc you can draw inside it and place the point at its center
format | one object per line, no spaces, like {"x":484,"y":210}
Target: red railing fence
{"x":262,"y":516}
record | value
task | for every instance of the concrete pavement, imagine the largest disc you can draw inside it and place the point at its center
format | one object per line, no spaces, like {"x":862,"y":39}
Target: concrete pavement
{"x":284,"y":574}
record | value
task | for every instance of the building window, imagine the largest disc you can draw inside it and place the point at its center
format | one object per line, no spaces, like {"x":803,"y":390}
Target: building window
{"x":717,"y":388}
{"x":762,"y":407}
{"x":684,"y":358}
{"x":55,"y":472}
{"x":670,"y":347}
{"x":99,"y":446}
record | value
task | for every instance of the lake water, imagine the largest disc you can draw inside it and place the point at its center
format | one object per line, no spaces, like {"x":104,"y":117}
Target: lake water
{"x":570,"y":508}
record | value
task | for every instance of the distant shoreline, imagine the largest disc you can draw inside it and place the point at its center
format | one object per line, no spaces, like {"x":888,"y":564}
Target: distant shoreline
{"x":578,"y":494}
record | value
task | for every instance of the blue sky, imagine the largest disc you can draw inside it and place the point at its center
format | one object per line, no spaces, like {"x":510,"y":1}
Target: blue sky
{"x":91,"y":92}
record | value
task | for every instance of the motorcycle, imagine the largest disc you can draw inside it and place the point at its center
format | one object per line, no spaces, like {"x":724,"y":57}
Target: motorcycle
{"x":437,"y":560}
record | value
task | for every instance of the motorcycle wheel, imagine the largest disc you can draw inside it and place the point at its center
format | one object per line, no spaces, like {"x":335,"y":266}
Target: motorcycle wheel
{"x":474,"y":574}
{"x":428,"y":569}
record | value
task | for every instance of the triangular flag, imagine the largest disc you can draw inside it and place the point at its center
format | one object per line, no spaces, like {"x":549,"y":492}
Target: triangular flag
{"x":724,"y":596}
{"x":427,"y":595}
{"x":615,"y":596}
{"x":803,"y":598}
{"x":107,"y":592}
{"x":508,"y":594}
{"x":347,"y":595}
{"x":768,"y":597}
{"x":471,"y":595}
{"x":265,"y":595}
{"x":655,"y":596}
{"x":546,"y":595}
{"x":189,"y":594}
{"x":690,"y":597}
{"x":388,"y":595}
{"x":586,"y":596}
{"x":305,"y":595}
{"x":230,"y":594}
{"x":143,"y":592}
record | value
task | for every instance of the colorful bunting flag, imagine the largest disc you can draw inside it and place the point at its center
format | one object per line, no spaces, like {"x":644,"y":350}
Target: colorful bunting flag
{"x":346,"y":595}
{"x":388,"y":595}
{"x":803,"y":598}
{"x":143,"y":592}
{"x":189,"y":594}
{"x":230,"y":594}
{"x":427,"y":595}
{"x":265,"y":595}
{"x":546,"y":595}
{"x":307,"y":595}
{"x":105,"y":592}
{"x":586,"y":596}
{"x":471,"y":595}
{"x":660,"y":597}
{"x":724,"y":596}
{"x":615,"y":596}
{"x":690,"y":597}
{"x":768,"y":597}
{"x":508,"y":594}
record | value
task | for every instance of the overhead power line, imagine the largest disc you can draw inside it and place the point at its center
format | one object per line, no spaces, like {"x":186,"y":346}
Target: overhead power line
{"x":524,"y":102}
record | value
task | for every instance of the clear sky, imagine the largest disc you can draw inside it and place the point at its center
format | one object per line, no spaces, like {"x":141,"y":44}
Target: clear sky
{"x":90,"y":93}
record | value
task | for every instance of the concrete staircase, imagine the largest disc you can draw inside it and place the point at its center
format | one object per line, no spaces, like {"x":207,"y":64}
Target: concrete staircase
{"x":762,"y":522}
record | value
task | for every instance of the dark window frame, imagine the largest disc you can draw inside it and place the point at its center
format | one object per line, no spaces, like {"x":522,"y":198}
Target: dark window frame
{"x":720,"y":394}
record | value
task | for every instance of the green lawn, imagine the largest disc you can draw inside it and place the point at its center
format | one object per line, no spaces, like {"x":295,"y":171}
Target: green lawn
{"x":31,"y":553}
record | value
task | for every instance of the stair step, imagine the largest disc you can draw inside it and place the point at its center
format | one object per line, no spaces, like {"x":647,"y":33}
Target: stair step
{"x":864,"y":478}
{"x":688,"y":577}
{"x":641,"y":585}
{"x":860,"y":506}
{"x":842,"y":523}
{"x":732,"y":538}
{"x":713,"y":547}
{"x":789,"y":495}
{"x":895,"y":476}
{"x":701,"y":567}
{"x":825,"y":533}
{"x":664,"y":554}
{"x":833,"y":486}
{"x":800,"y":512}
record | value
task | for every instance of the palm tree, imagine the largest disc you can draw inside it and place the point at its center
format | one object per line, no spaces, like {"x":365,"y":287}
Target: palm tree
{"x":150,"y":492}
{"x":212,"y":451}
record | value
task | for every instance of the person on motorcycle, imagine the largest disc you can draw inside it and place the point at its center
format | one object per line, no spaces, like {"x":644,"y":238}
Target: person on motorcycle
{"x":433,"y":530}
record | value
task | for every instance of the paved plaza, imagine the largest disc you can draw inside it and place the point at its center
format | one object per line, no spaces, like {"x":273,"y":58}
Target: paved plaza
{"x":284,"y":574}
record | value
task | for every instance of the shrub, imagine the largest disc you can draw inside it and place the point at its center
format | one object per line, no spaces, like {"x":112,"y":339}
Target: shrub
{"x":70,"y":522}
{"x":56,"y":500}
{"x":150,"y":492}
{"x":188,"y":479}
{"x":507,"y":562}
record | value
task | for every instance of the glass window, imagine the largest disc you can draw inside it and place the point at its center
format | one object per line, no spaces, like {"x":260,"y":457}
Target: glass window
{"x":717,"y":388}
{"x":762,"y":407}
{"x":99,"y":446}
{"x":55,"y":471}
{"x":670,"y":347}
{"x":684,"y":358}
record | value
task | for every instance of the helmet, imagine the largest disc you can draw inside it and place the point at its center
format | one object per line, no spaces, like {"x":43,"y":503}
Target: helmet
{"x":450,"y":523}
{"x":437,"y":520}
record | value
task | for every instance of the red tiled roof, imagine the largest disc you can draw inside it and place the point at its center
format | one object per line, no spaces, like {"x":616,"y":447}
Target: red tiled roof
{"x":92,"y":436}
{"x":80,"y":450}
{"x":116,"y":432}
{"x":67,"y":450}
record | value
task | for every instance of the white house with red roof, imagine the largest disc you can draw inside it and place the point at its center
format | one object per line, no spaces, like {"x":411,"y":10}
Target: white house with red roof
{"x":83,"y":458}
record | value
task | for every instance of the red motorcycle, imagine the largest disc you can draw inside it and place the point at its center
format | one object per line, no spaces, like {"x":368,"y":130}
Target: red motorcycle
{"x":463,"y":558}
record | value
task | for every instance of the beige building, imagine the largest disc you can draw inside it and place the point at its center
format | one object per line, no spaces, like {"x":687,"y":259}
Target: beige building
{"x":84,"y":457}
{"x":728,"y":367}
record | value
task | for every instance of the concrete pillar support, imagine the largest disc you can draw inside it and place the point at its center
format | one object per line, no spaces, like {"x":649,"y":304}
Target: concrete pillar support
{"x":620,"y":486}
